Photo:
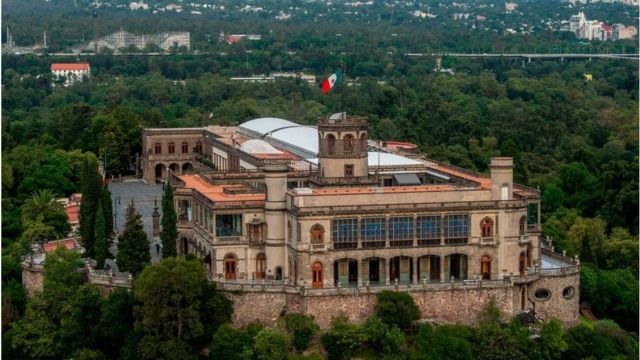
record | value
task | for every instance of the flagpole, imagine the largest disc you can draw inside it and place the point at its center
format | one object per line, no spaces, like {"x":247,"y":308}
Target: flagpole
{"x":344,"y":74}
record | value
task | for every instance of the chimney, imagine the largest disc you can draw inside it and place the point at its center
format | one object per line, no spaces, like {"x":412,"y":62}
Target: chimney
{"x":501,"y":178}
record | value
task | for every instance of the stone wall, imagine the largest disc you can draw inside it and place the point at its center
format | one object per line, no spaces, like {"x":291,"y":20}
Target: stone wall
{"x":560,"y":305}
{"x":447,"y":305}
{"x":32,"y":278}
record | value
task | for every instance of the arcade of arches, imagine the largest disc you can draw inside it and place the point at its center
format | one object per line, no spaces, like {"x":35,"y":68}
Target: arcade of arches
{"x":376,"y":271}
{"x":161,"y":169}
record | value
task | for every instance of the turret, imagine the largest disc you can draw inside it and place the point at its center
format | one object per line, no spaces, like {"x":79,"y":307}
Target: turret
{"x":275,"y":210}
{"x":343,"y":153}
{"x":501,"y":178}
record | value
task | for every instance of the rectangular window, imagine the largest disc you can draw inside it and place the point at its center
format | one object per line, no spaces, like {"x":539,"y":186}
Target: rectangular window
{"x":185,"y":147}
{"x":373,"y":232}
{"x":172,"y":148}
{"x":158,"y":148}
{"x":428,"y":230}
{"x":228,"y":225}
{"x":344,"y":233}
{"x":348,"y":171}
{"x":401,"y":231}
{"x":456,"y":229}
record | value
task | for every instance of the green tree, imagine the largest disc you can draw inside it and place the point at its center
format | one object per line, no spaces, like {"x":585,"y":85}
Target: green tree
{"x":43,"y":204}
{"x":551,"y":343}
{"x":107,"y":209}
{"x":271,"y":344}
{"x":445,"y":342}
{"x":301,"y":327}
{"x":171,"y":311}
{"x":100,"y":246}
{"x":342,"y":339}
{"x":116,"y":321}
{"x":133,"y":245}
{"x":397,"y":309}
{"x":234,"y":344}
{"x":90,"y":186}
{"x":169,"y":231}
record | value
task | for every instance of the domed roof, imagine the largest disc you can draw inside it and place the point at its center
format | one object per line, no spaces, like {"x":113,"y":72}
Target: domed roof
{"x":257,"y":146}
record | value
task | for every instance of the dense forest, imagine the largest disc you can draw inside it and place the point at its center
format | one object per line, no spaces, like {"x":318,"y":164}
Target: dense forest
{"x":574,"y":138}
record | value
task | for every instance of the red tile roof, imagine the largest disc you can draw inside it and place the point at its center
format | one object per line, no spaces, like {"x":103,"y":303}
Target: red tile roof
{"x":70,"y":244}
{"x":72,"y":213}
{"x":216,"y":192}
{"x":69,"y":66}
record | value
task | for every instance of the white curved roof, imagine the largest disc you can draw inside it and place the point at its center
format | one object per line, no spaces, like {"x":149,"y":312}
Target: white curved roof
{"x":386,"y":159}
{"x":303,"y":137}
{"x":266,"y":125}
{"x":257,"y":146}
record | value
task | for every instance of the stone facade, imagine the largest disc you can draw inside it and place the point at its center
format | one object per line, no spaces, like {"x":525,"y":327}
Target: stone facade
{"x":449,"y":304}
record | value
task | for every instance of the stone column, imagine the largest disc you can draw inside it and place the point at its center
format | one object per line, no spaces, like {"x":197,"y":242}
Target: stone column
{"x":442,"y":269}
{"x":414,"y":273}
{"x":387,"y":273}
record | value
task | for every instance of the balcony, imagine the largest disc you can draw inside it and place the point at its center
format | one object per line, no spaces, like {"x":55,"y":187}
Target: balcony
{"x":524,"y":239}
{"x":318,"y":247}
{"x":229,"y":239}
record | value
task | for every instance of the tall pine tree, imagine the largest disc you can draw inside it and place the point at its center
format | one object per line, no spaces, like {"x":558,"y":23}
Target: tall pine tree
{"x":107,"y":208}
{"x":90,"y":188}
{"x":100,"y":246}
{"x":133,"y":245}
{"x":169,"y":231}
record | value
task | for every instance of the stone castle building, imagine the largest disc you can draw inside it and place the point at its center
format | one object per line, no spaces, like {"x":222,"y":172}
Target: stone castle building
{"x":318,"y":219}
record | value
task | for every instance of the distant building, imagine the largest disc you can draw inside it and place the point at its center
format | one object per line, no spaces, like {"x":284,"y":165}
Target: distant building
{"x":138,"y":6}
{"x":71,"y":72}
{"x":234,"y":38}
{"x":620,"y":32}
{"x":589,"y":29}
{"x":167,"y":41}
{"x":510,"y":7}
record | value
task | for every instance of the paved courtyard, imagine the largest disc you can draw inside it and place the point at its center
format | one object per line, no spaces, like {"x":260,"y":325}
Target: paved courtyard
{"x":143,"y":196}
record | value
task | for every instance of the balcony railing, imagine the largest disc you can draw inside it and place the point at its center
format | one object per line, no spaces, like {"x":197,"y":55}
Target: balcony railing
{"x":343,"y":148}
{"x":318,"y":247}
{"x":429,"y":242}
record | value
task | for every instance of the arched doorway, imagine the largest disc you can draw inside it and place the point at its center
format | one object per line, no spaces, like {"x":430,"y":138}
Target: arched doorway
{"x":529,"y":254}
{"x":230,"y":267}
{"x":348,"y":142}
{"x":485,"y":267}
{"x":522,"y":263}
{"x":186,"y":167}
{"x":161,"y":172}
{"x":373,"y":270}
{"x":401,"y":268}
{"x":429,"y":268}
{"x":185,"y":245}
{"x":261,"y":265}
{"x":316,"y":275}
{"x":345,"y":272}
{"x":456,"y":267}
{"x":175,"y":168}
{"x":331,"y":144}
{"x":279,"y":273}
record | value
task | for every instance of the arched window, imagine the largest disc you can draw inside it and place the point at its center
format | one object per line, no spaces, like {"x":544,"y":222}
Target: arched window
{"x":316,"y":275}
{"x":279,"y":273}
{"x":486,"y":227}
{"x":523,"y":225}
{"x":317,"y":234}
{"x":485,"y":267}
{"x":185,"y":147}
{"x":158,"y":148}
{"x":348,"y":144}
{"x":261,"y":265}
{"x":331,"y":144}
{"x":172,"y":148}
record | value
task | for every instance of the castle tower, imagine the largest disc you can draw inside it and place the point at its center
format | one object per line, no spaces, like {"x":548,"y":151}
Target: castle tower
{"x":501,"y":178}
{"x":343,"y":157}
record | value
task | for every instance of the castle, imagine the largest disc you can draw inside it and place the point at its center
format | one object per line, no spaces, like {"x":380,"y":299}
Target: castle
{"x":318,"y":219}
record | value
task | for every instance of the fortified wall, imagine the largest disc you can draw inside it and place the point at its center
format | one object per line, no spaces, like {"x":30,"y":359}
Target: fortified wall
{"x":440,"y":303}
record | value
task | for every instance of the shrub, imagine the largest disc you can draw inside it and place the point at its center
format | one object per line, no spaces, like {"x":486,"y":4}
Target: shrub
{"x":397,"y":309}
{"x":342,"y":339}
{"x":301,"y":327}
{"x":271,"y":345}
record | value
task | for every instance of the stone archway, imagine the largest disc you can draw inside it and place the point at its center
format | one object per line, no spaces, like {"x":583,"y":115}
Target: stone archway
{"x":160,"y":172}
{"x":175,"y":168}
{"x":187,"y":167}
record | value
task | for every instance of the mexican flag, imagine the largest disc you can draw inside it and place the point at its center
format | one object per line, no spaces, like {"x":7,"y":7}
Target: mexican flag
{"x":332,"y":81}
